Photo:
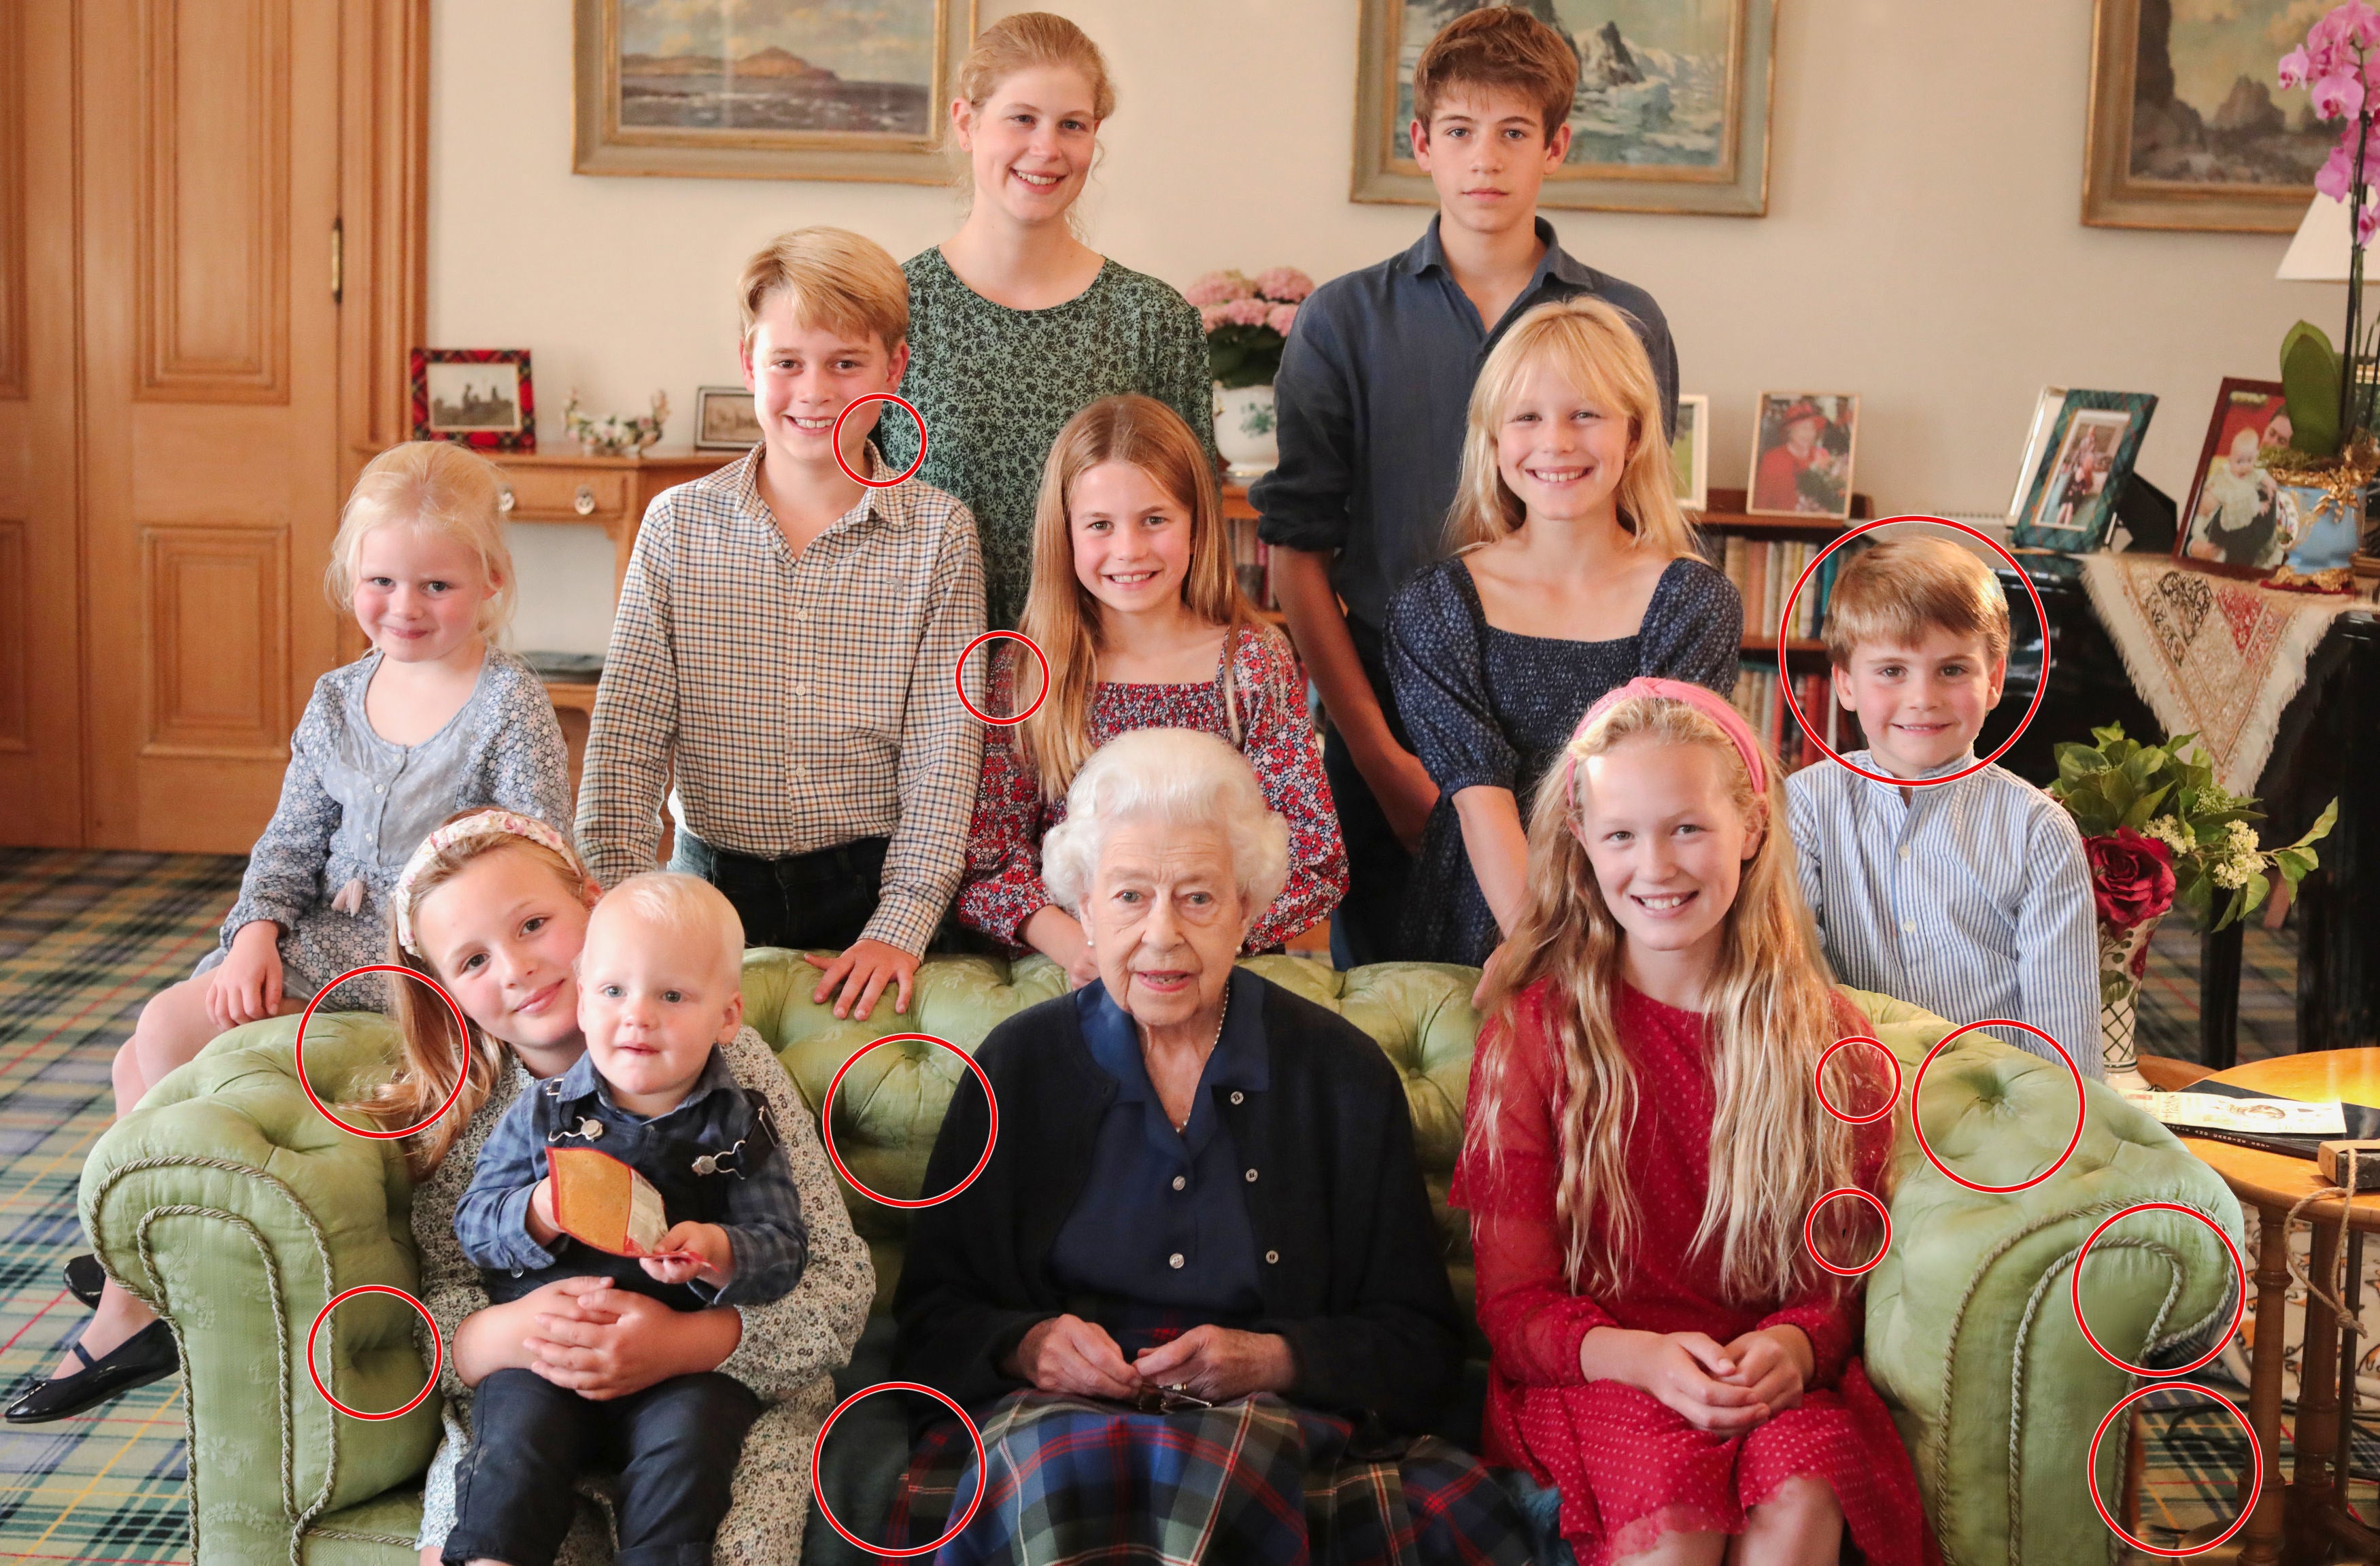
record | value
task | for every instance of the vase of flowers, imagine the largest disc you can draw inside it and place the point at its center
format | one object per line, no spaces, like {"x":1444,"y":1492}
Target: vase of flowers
{"x":1247,"y":320}
{"x":2332,"y":457}
{"x":2158,"y":830}
{"x":614,"y":435}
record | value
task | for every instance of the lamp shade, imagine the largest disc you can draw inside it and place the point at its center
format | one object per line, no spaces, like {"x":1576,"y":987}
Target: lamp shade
{"x":2318,"y":253}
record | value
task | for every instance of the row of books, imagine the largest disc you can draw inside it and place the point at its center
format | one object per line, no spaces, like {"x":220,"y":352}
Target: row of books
{"x":1763,"y":705}
{"x":1764,"y":572}
{"x":1252,"y":560}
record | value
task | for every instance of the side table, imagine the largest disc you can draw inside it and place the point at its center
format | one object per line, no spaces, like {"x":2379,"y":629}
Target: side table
{"x":2297,"y":1516}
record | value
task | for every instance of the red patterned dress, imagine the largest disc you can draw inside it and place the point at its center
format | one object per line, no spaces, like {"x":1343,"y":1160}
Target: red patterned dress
{"x":1002,"y":887}
{"x":1629,"y":1468}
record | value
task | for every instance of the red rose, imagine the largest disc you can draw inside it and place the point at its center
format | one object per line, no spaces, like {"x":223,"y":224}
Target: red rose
{"x":2131,"y":877}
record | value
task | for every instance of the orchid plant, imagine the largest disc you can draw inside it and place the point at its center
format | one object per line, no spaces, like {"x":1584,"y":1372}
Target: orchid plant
{"x":2339,"y":65}
{"x":1247,"y":321}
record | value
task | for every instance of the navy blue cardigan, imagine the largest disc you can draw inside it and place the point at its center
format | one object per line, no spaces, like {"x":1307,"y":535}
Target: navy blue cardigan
{"x":1353,"y":1275}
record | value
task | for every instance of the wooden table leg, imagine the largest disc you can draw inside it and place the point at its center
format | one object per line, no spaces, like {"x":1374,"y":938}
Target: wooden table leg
{"x":2260,"y":1541}
{"x":2318,"y":1426}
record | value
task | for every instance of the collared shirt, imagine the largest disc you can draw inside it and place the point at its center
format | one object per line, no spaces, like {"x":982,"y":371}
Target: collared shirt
{"x":763,"y":1212}
{"x":796,"y":702}
{"x":1971,"y":899}
{"x":1371,"y":397}
{"x":1162,"y":1221}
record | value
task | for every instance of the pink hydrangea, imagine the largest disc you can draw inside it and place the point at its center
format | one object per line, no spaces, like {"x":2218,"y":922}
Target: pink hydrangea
{"x":1246,"y":312}
{"x":1218,"y":288}
{"x":1213,"y":315}
{"x":1281,"y":318}
{"x":1284,"y":283}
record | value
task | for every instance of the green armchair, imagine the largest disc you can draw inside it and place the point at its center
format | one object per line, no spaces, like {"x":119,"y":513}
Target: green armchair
{"x":237,"y":1212}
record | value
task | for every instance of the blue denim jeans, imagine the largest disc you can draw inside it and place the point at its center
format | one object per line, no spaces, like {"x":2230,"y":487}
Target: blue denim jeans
{"x":674,"y":1446}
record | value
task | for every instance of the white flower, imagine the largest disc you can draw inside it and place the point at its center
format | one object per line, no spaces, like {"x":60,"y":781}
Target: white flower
{"x":2233,"y":873}
{"x":2168,"y":831}
{"x":2240,"y":836}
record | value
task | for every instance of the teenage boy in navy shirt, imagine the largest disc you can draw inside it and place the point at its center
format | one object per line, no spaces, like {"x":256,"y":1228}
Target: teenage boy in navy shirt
{"x":1372,"y":393}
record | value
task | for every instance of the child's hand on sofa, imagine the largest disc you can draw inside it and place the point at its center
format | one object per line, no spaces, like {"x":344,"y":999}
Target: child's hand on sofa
{"x":862,"y":972}
{"x":712,"y":1259}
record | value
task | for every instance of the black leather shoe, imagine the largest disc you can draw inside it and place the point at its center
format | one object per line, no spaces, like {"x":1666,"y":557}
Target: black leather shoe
{"x":85,"y":1277}
{"x":147,"y":1355}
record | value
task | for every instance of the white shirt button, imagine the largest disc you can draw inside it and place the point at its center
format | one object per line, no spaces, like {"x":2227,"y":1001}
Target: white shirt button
{"x":800,"y":689}
{"x":1908,"y":927}
{"x":379,"y":788}
{"x":798,"y":771}
{"x":1181,"y":1182}
{"x":1174,"y":1261}
{"x":801,"y":613}
{"x":1271,"y":1258}
{"x":1252,"y":1177}
{"x":1904,"y":851}
{"x":368,"y":837}
{"x":1238,"y":1097}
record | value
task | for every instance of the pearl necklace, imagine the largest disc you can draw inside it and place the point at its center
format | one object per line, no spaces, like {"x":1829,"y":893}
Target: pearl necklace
{"x":1184,"y":1124}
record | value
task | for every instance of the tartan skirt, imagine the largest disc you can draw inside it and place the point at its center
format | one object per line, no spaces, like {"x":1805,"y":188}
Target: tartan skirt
{"x":1256,"y":1481}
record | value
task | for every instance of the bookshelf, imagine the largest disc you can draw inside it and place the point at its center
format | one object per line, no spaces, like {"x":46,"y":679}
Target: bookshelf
{"x":1764,"y":556}
{"x":1250,"y":555}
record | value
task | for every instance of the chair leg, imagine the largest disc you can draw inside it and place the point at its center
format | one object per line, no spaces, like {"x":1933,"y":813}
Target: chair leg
{"x":2135,"y":1467}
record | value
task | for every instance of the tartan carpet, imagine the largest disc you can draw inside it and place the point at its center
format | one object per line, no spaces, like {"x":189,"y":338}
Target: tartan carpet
{"x":2168,"y":1013}
{"x":85,"y":940}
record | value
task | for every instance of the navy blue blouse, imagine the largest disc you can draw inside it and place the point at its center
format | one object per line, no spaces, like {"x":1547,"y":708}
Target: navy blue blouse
{"x":1162,"y":1224}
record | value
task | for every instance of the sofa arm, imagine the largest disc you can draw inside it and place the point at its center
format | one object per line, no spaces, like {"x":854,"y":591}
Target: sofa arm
{"x":237,"y":1212}
{"x":1970,"y":1332}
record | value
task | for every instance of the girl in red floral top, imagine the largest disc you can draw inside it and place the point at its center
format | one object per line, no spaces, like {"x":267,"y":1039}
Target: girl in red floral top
{"x":1674,"y":1372}
{"x":1137,"y":606}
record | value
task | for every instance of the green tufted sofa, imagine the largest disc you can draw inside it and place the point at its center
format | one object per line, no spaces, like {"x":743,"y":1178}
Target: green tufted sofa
{"x":237,"y":1212}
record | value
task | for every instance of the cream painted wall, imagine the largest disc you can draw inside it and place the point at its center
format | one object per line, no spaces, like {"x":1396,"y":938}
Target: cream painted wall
{"x":1922,"y":245}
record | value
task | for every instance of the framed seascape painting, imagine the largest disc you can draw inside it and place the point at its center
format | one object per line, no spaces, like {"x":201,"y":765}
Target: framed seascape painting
{"x":1689,"y":452}
{"x":766,"y":89}
{"x":2089,"y":459}
{"x":2189,"y":127}
{"x":1802,"y":445}
{"x":1671,"y":114}
{"x":2232,"y":523}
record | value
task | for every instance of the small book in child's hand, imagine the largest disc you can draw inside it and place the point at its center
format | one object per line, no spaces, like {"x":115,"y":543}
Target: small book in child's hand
{"x":601,"y":1202}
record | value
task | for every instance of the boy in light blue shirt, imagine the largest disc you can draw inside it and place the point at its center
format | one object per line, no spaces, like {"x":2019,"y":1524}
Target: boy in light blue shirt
{"x":1971,"y":898}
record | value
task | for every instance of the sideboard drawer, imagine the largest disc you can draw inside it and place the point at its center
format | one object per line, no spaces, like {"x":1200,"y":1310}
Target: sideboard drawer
{"x":563,"y":495}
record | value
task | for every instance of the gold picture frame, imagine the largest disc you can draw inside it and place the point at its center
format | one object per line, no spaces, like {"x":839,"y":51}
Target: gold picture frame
{"x":2121,"y":187}
{"x":910,"y":153}
{"x":1734,"y":183}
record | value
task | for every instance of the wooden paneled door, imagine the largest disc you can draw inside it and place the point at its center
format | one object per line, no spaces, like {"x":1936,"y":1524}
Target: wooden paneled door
{"x":190,"y":374}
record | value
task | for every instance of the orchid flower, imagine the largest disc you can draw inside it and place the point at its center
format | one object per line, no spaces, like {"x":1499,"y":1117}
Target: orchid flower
{"x":2338,"y":95}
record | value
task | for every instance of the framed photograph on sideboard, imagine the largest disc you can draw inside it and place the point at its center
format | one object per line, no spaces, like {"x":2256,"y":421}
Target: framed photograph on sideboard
{"x":725,"y":419}
{"x":2093,"y":445}
{"x":2232,"y":520}
{"x":479,"y":396}
{"x":1689,"y":452}
{"x":1671,"y":114}
{"x":1803,"y":447}
{"x":2046,"y":409}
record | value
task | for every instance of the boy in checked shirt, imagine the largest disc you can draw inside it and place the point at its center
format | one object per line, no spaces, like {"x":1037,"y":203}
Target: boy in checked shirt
{"x":786,"y":648}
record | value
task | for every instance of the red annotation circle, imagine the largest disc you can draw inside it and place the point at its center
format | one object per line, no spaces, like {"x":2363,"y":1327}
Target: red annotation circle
{"x":965,"y":1517}
{"x":1817,"y":1080}
{"x":1785,"y":687}
{"x":2166,"y":1551}
{"x":1810,"y":1242}
{"x":854,"y":407}
{"x":959,"y":674}
{"x":826,"y":1123}
{"x":437,"y":1351}
{"x":462,"y":1030}
{"x":2237,"y":1316}
{"x":1919,"y":1087}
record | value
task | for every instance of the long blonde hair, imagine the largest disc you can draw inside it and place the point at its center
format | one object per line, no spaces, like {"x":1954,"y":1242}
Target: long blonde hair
{"x":1062,"y":617}
{"x":440,"y":488}
{"x":1594,"y":348}
{"x":426,"y":1029}
{"x":1774,"y":1148}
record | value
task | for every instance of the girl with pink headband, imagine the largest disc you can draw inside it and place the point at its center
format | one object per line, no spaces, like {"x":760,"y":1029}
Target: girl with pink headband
{"x":1642,"y":1150}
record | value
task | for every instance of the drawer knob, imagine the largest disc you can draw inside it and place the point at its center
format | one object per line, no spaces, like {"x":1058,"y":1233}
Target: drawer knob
{"x":585,"y":503}
{"x":504,"y":501}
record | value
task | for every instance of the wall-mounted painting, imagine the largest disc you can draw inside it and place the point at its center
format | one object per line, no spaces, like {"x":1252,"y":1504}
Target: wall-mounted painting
{"x":1671,"y":114}
{"x":766,"y":89}
{"x":2189,"y":126}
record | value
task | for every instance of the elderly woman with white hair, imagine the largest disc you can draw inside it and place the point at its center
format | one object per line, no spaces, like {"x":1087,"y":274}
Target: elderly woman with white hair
{"x":1196,"y":1301}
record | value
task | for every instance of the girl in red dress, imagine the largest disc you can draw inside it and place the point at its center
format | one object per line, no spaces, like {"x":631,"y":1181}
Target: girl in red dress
{"x":1673,"y":1376}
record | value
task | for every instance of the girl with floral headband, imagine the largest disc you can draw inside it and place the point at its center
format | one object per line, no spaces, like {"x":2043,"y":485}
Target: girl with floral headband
{"x":494,"y":906}
{"x":434,"y":718}
{"x":1648,"y":1070}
